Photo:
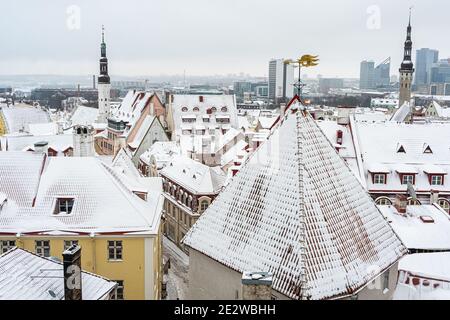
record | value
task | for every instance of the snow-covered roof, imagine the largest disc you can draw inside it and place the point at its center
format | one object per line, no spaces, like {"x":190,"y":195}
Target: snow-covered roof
{"x":417,"y":231}
{"x":193,"y":175}
{"x":84,"y":116}
{"x":161,"y":152}
{"x":19,"y":175}
{"x":186,"y":106}
{"x":431,"y":265}
{"x":296,"y":210}
{"x":19,"y":117}
{"x":141,"y":131}
{"x":382,"y":145}
{"x":43,"y":129}
{"x":27,"y":276}
{"x":402,"y":113}
{"x":103,"y":197}
{"x":58,"y":142}
{"x":267,"y":122}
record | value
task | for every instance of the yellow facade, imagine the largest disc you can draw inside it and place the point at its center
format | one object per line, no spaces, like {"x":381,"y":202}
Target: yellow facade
{"x":140,"y":268}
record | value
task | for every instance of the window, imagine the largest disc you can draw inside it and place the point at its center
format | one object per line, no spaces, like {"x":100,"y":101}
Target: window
{"x":224,"y":109}
{"x":6,"y":245}
{"x":213,"y":109}
{"x":444,"y":204}
{"x":184,"y":109}
{"x":115,"y":250}
{"x":64,"y":205}
{"x":437,"y":180}
{"x":413,"y":202}
{"x":118,"y":293}
{"x":204,"y":205}
{"x":196,"y":109}
{"x":69,"y":243}
{"x":379,"y":178}
{"x":383,"y":201}
{"x":43,"y":248}
{"x":386,"y":280}
{"x":401,"y":149}
{"x":407,"y":178}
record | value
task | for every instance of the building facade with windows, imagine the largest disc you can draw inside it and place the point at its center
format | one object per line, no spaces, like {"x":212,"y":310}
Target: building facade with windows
{"x":393,"y":159}
{"x":135,"y":124}
{"x":189,"y":188}
{"x":48,"y":204}
{"x":279,"y":215}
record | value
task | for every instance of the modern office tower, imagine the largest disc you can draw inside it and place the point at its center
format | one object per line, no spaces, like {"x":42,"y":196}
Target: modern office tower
{"x":425,"y":58}
{"x":366,"y":76}
{"x":281,"y":80}
{"x":382,"y":74}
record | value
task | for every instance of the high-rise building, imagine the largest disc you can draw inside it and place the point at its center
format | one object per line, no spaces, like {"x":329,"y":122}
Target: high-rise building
{"x":366,"y":76}
{"x":406,"y":68}
{"x":104,"y":85}
{"x":382,"y":74}
{"x":325,"y":84}
{"x":440,"y":72}
{"x":281,"y":80}
{"x":425,"y":58}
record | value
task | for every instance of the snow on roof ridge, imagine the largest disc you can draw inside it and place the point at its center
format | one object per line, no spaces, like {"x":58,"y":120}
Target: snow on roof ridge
{"x":256,"y":221}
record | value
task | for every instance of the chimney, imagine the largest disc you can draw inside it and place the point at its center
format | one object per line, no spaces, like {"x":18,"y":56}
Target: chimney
{"x":339,"y":135}
{"x":343,"y":117}
{"x":256,"y":286}
{"x":400,"y":204}
{"x":434,"y":196}
{"x":200,"y":98}
{"x":72,"y":273}
{"x":41,"y":147}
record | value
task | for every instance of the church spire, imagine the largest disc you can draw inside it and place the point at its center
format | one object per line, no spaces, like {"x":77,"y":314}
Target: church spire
{"x":407,"y":64}
{"x":104,"y":77}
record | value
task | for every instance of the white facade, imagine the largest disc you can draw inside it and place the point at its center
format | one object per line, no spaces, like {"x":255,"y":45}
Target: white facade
{"x":104,"y":102}
{"x":83,"y":141}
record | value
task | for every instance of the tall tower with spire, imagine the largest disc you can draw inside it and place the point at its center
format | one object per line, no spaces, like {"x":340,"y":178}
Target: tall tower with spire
{"x":104,"y":85}
{"x":406,"y":68}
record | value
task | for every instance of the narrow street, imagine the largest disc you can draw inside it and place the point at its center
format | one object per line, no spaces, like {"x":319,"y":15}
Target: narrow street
{"x":177,"y":277}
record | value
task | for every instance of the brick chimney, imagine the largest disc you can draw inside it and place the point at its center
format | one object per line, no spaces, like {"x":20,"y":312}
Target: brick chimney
{"x":400,"y":203}
{"x":72,"y":273}
{"x":256,"y":286}
{"x":434,"y":196}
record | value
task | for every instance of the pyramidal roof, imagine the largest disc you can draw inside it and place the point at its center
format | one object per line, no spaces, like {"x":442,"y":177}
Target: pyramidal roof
{"x":295,"y":209}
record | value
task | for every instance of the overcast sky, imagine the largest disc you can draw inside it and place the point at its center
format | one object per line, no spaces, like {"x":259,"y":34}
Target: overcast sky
{"x":207,"y":37}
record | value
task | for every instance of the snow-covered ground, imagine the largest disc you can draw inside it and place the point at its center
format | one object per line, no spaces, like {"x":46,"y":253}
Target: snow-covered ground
{"x":19,"y":117}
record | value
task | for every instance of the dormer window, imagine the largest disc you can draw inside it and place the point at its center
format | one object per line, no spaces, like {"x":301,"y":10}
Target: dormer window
{"x":401,"y":149}
{"x":224,"y":109}
{"x":64,"y":205}
{"x":379,"y":178}
{"x":184,"y":109}
{"x":408,"y":178}
{"x":196,"y":109}
{"x":436,"y":180}
{"x":427,"y":149}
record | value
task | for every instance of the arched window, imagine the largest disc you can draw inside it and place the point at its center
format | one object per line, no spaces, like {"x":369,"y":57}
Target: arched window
{"x":383,"y":201}
{"x":204,"y":205}
{"x":444,"y":204}
{"x":184,"y":109}
{"x":412,"y":202}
